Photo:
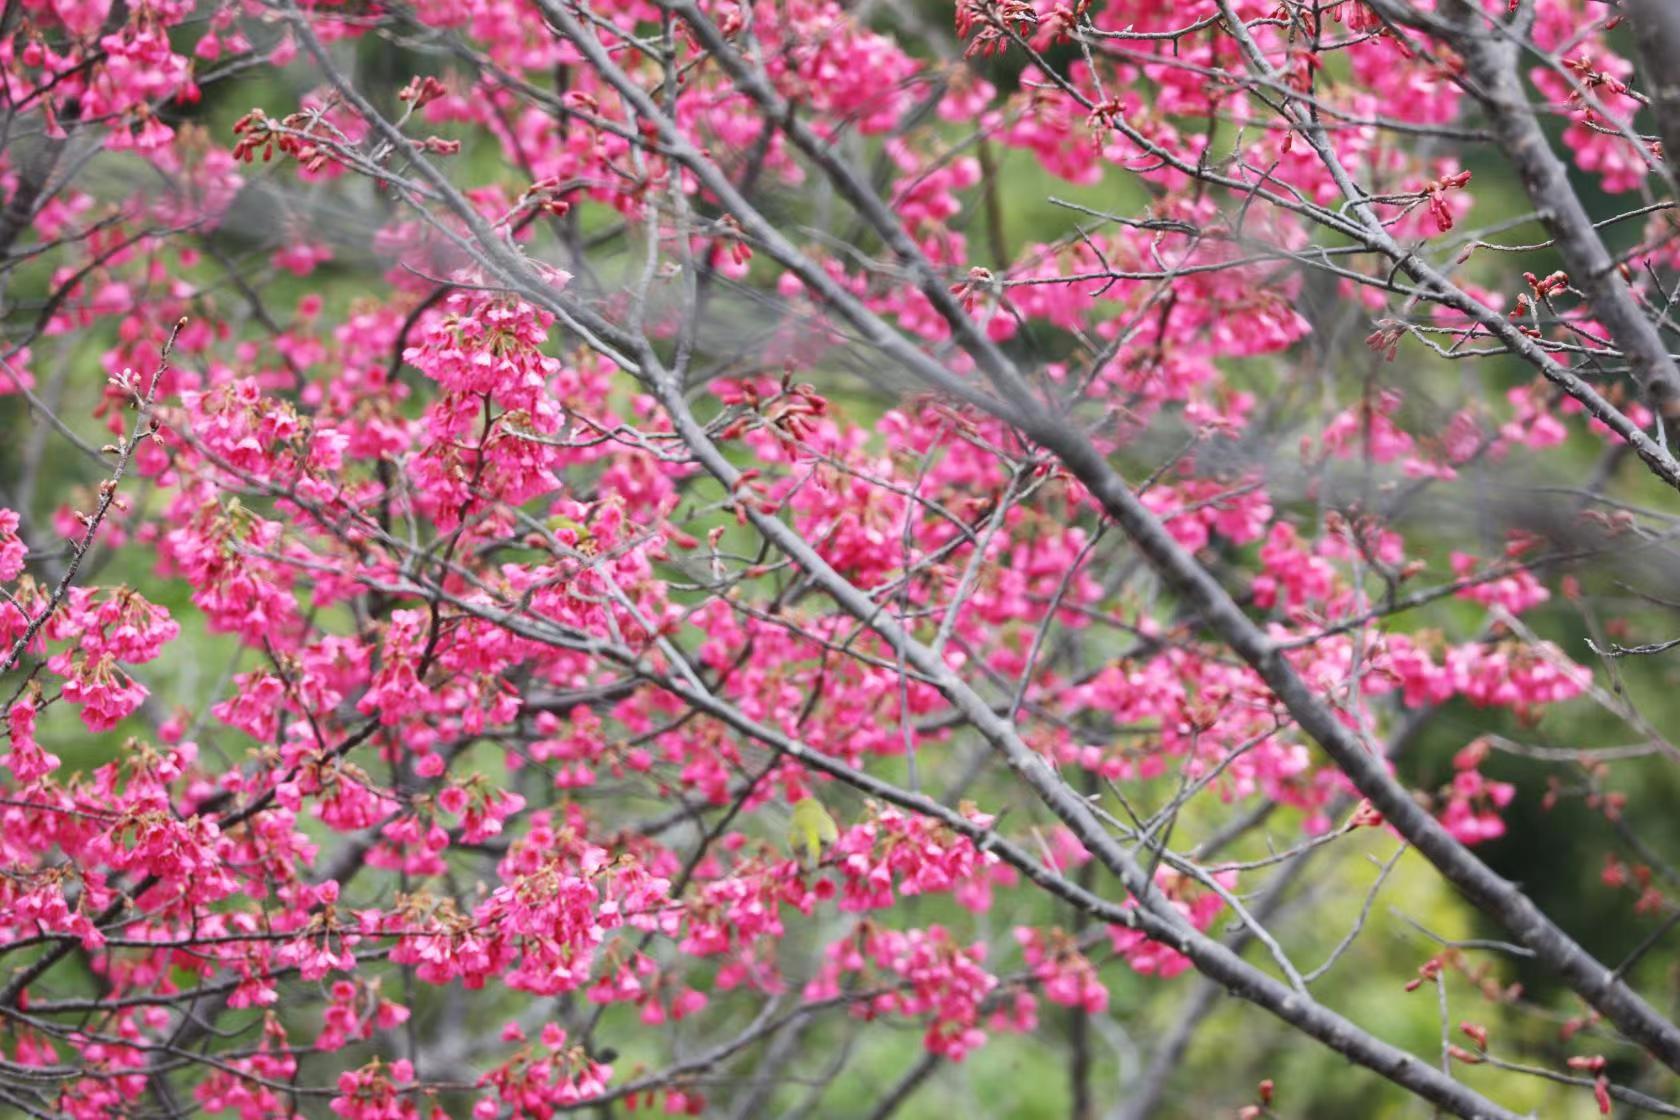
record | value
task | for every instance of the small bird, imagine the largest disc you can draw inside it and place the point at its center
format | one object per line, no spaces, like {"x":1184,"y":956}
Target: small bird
{"x":813,"y":827}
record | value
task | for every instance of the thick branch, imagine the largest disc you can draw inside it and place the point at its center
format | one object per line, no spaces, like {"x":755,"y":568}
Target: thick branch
{"x":1492,"y":63}
{"x":1491,"y":893}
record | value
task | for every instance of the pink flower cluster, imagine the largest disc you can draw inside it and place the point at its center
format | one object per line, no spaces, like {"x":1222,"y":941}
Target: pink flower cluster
{"x":914,"y":973}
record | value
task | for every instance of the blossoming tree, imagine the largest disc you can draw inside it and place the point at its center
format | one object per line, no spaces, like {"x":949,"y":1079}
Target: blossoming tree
{"x":612,"y":554}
